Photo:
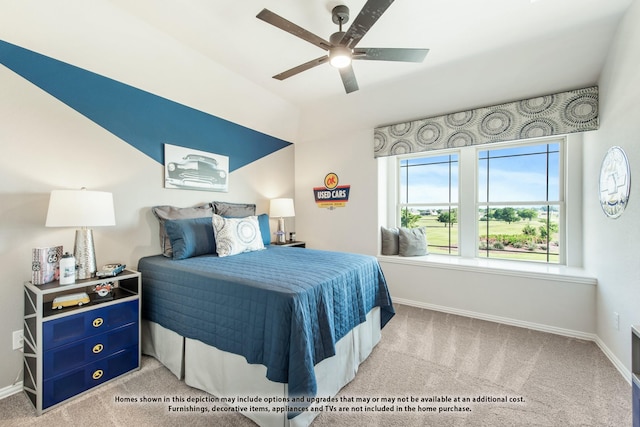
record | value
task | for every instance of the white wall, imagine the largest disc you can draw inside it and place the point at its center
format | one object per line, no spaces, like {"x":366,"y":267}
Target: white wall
{"x":612,"y":246}
{"x":609,"y":247}
{"x":47,"y":145}
{"x":544,"y":302}
{"x":352,"y":228}
{"x":103,"y":38}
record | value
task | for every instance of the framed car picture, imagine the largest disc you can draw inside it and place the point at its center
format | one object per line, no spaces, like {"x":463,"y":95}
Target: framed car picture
{"x":186,"y":168}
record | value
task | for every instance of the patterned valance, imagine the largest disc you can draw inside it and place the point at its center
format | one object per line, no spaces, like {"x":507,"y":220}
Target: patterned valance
{"x":557,"y":114}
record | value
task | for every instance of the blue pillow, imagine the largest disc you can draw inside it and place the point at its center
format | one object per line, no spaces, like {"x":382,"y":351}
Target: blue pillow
{"x":265,"y":231}
{"x":191,"y":237}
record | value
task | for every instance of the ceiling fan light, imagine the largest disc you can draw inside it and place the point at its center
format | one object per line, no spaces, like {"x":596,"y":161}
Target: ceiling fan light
{"x":339,"y":56}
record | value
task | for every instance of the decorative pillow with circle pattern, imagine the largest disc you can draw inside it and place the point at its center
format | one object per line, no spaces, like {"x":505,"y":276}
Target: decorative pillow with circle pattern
{"x":237,"y":235}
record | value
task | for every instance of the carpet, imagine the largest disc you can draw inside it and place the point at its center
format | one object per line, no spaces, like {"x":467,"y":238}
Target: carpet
{"x":430,"y":369}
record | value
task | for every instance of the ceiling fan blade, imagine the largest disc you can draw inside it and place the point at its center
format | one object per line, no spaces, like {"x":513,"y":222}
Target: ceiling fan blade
{"x":371,"y":11}
{"x":348,"y":79}
{"x":288,"y":26}
{"x":301,"y":68}
{"x":390,"y":54}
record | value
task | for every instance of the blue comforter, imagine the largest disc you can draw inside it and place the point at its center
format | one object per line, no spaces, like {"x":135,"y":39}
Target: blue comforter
{"x":284,"y":308}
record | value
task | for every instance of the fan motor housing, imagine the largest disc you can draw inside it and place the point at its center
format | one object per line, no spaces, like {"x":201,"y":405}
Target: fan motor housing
{"x":336,"y":38}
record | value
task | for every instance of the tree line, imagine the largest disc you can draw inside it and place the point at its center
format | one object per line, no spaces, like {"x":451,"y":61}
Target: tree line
{"x":450,"y":216}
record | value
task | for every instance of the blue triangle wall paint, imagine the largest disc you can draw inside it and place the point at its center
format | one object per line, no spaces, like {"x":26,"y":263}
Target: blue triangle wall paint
{"x":144,"y":120}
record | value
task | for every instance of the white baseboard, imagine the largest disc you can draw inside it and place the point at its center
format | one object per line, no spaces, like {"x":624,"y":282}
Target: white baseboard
{"x":9,"y":390}
{"x":626,"y":374}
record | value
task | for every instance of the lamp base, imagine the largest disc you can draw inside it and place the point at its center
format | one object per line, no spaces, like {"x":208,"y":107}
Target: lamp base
{"x":280,"y":234}
{"x":85,"y":254}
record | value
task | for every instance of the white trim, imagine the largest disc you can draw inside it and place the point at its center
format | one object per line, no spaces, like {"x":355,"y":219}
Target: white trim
{"x":10,"y":390}
{"x":626,"y":374}
{"x":570,"y":202}
{"x":498,"y":319}
{"x":531,"y":270}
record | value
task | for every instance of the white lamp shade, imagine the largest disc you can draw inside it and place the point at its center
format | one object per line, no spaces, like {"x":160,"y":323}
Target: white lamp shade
{"x":281,"y":208}
{"x":80,"y":208}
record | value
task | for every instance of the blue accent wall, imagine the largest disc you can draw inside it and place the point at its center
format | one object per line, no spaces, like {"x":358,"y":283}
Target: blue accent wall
{"x":144,"y":120}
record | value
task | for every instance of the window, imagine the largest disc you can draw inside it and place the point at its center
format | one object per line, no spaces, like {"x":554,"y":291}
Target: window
{"x":429,"y":198}
{"x":491,"y":201}
{"x":519,"y":202}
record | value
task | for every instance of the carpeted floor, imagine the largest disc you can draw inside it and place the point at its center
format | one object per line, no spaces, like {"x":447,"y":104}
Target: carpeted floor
{"x":439,"y":370}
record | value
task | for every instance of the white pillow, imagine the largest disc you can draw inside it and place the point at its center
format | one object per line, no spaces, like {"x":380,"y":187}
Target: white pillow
{"x":237,"y":235}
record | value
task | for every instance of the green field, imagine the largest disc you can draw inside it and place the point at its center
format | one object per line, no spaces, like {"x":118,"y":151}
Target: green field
{"x":438,"y":235}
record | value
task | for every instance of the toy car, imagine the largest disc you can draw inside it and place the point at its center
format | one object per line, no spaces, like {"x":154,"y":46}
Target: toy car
{"x":110,"y":270}
{"x":103,"y":289}
{"x":70,"y":300}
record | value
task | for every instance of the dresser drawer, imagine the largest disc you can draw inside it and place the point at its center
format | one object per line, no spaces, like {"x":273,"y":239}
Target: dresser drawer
{"x":635,"y":404}
{"x":69,"y":384}
{"x":76,"y":354}
{"x":78,"y":326}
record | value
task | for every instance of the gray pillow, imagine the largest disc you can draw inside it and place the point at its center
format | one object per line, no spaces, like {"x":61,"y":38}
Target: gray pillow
{"x":234,"y":210}
{"x":164,"y":213}
{"x":412,"y":241}
{"x":390,"y":243}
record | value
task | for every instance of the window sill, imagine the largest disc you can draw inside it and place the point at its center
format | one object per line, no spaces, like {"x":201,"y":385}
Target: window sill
{"x":494,"y":266}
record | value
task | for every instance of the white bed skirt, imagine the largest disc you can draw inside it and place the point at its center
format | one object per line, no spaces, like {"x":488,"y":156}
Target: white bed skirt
{"x":226,"y":374}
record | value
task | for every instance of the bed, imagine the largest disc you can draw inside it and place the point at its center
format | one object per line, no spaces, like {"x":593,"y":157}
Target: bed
{"x":287,"y":324}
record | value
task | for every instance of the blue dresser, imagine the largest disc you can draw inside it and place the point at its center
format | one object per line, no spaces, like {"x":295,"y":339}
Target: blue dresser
{"x":636,"y":402}
{"x":635,"y":374}
{"x":71,"y":350}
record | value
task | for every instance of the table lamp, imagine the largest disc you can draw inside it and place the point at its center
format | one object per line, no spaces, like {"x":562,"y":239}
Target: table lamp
{"x":81,"y":208}
{"x":280,"y":208}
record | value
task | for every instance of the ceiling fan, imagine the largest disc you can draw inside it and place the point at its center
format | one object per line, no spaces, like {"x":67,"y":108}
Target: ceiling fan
{"x":341,"y":47}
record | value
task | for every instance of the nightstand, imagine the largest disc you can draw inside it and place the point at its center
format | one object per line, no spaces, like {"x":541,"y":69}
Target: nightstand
{"x":294,"y":244}
{"x":71,"y":350}
{"x":635,"y":373}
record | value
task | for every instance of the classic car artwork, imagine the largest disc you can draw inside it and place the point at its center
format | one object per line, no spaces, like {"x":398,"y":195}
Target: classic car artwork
{"x":195,"y":171}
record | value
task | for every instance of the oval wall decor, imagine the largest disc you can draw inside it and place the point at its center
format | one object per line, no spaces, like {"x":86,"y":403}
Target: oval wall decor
{"x":615,"y":182}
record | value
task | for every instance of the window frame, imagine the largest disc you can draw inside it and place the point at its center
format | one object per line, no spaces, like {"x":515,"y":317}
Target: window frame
{"x":468,"y":201}
{"x":515,"y":203}
{"x":456,"y":205}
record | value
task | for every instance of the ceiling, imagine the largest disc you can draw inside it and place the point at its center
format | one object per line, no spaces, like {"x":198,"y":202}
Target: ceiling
{"x":228,"y":32}
{"x":482,"y":52}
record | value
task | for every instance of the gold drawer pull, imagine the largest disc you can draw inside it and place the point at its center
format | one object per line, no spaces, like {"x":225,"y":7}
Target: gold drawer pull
{"x":98,"y":374}
{"x":98,"y":348}
{"x":97,"y":322}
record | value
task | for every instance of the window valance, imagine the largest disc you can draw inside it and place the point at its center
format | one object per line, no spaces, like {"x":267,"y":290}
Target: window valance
{"x":556,"y":114}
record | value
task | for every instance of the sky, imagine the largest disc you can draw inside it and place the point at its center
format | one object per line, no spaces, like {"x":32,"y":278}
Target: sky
{"x":517,"y":174}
